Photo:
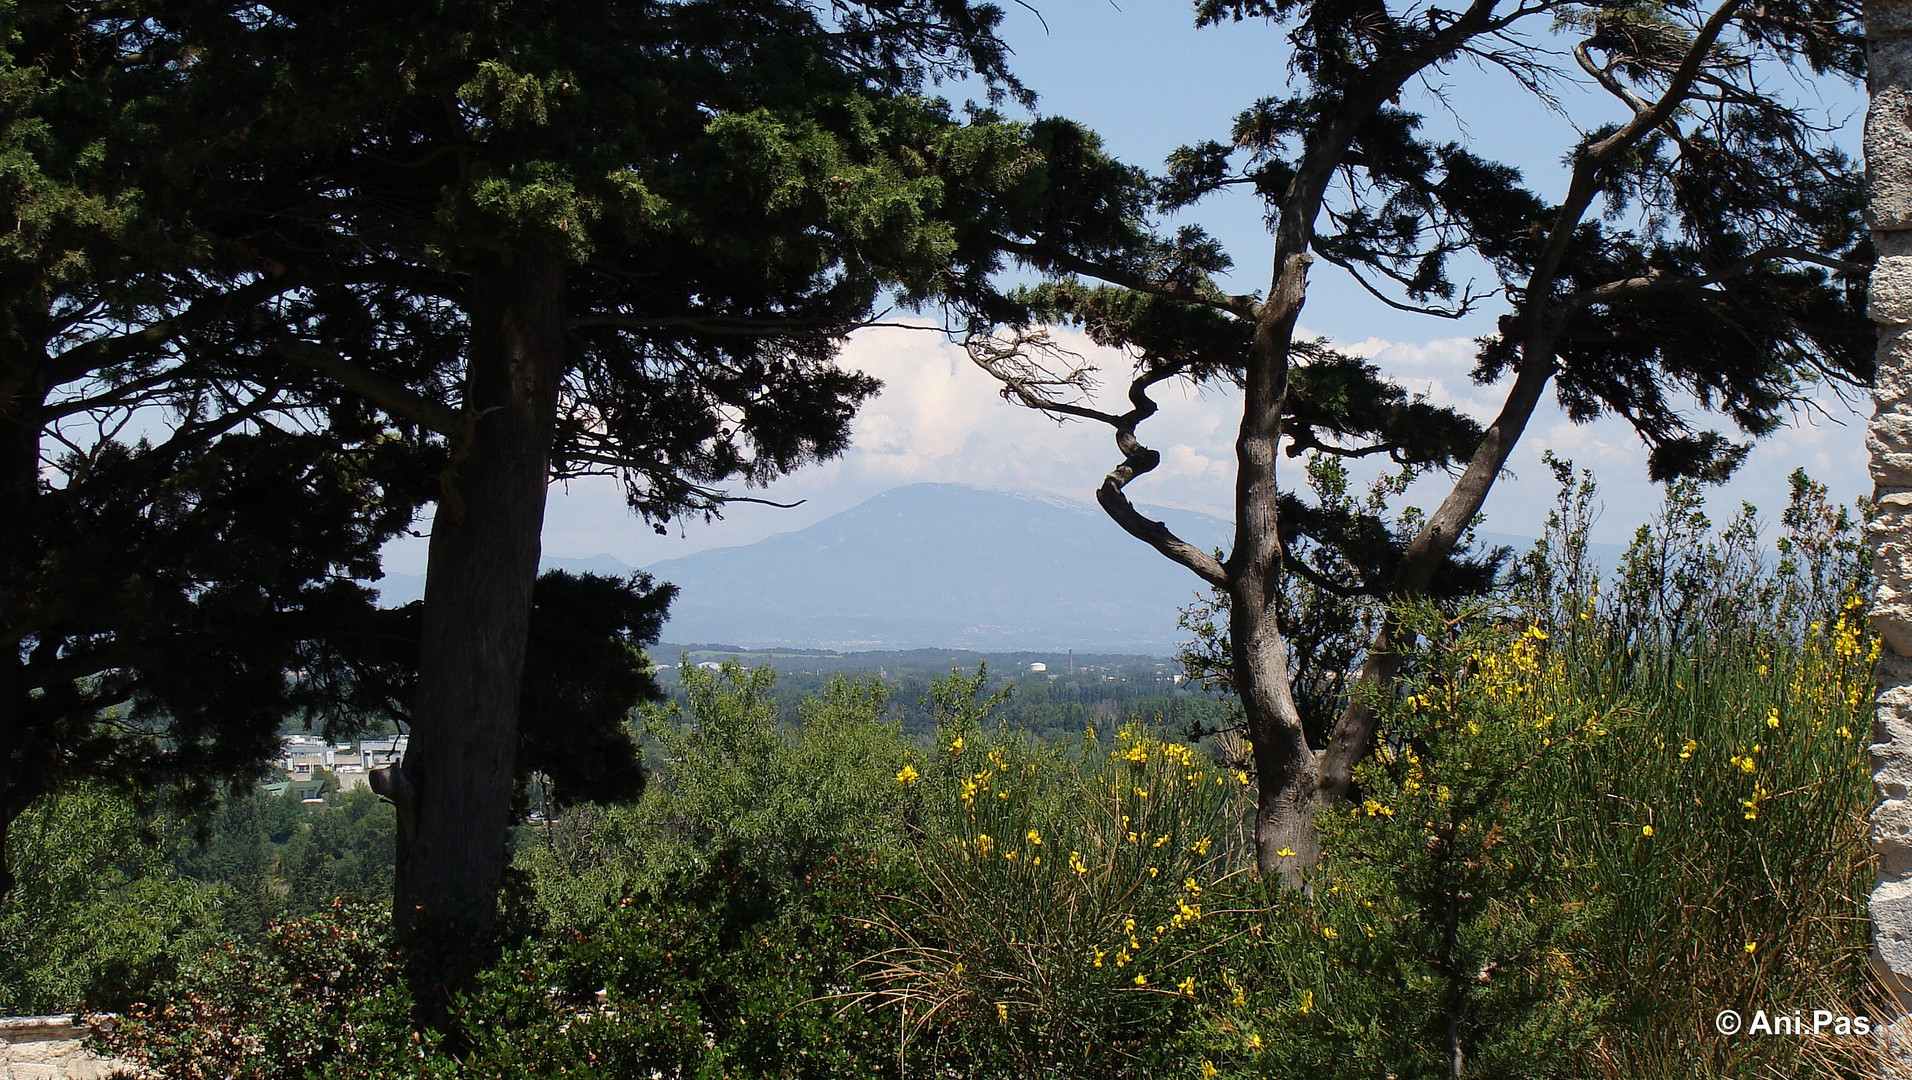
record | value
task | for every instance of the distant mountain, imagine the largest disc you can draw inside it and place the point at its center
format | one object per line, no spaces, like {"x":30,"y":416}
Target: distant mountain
{"x":941,"y":565}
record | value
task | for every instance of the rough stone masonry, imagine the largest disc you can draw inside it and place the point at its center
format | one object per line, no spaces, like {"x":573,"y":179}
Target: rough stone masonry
{"x":1888,"y":155}
{"x":51,"y":1048}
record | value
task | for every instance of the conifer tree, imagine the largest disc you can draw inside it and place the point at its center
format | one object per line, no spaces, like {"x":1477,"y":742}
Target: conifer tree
{"x":644,"y":228}
{"x":1731,"y":287}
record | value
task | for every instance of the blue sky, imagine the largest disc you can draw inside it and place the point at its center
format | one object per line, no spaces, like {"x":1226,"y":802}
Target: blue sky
{"x":1148,"y":81}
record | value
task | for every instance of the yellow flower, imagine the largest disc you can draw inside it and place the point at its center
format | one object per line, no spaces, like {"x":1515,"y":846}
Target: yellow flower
{"x":907,"y":775}
{"x":1200,"y":847}
{"x":1187,"y":986}
{"x":1076,"y":863}
{"x":984,"y":843}
{"x":1002,"y":1011}
{"x":1329,"y":932}
{"x":1307,"y":1001}
{"x":1687,"y":750}
{"x":1254,"y":1041}
{"x":1034,"y":837}
{"x":1141,"y":980}
{"x":1646,"y":830}
{"x":1772,"y":717}
{"x":1209,"y":1071}
{"x":1285,"y":853}
{"x":1752,"y":947}
{"x":956,"y":745}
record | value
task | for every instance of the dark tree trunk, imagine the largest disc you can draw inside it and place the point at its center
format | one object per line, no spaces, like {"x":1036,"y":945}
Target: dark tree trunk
{"x":22,"y":398}
{"x":457,"y":772}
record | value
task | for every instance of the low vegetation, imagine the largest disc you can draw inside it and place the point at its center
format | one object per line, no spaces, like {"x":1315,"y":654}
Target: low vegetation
{"x":1604,"y":807}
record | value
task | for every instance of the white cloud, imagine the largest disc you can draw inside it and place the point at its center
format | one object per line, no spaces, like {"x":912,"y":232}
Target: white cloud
{"x":940,"y":419}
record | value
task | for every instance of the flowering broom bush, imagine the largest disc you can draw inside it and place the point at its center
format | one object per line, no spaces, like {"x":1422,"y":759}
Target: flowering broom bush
{"x":1053,"y":928}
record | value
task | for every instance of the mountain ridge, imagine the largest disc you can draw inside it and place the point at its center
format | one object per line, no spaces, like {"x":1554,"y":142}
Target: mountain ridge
{"x":938,"y":566}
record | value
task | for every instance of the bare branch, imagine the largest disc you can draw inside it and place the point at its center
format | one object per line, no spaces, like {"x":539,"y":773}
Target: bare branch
{"x":1017,"y":363}
{"x":736,"y":326}
{"x":1156,"y":534}
{"x":454,"y":424}
{"x":1469,"y":298}
{"x":1244,"y":306}
{"x":1653,"y":283}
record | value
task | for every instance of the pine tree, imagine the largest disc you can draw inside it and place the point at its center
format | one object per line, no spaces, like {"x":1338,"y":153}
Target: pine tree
{"x":1732,"y":287}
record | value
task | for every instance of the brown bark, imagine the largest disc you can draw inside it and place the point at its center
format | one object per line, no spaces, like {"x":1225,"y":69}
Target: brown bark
{"x":457,"y":772}
{"x":1284,"y":766}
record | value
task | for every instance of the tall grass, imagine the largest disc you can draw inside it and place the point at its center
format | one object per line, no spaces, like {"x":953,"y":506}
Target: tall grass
{"x":1737,"y":689}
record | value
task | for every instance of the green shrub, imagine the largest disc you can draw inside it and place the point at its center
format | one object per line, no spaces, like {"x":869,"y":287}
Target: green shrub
{"x":97,"y":918}
{"x":1049,"y":933}
{"x":736,"y":787}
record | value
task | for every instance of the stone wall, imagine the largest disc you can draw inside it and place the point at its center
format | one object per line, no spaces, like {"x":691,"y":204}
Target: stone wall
{"x":50,"y":1048}
{"x":1888,"y":151}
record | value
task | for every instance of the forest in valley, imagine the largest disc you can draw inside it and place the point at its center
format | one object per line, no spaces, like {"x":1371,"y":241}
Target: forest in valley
{"x":289,"y":283}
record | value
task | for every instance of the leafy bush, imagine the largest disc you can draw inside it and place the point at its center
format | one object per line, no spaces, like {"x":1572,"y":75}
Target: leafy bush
{"x":1595,"y":820}
{"x":97,"y":917}
{"x":1050,"y":930}
{"x":1596,"y":816}
{"x":737,"y":788}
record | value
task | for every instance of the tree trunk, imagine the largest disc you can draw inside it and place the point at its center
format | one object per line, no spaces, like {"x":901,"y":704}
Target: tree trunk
{"x":22,"y":397}
{"x":1888,"y":155}
{"x":457,"y":772}
{"x":1285,"y":841}
{"x":1354,"y":730}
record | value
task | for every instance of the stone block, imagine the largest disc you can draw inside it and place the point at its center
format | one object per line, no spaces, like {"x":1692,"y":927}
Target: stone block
{"x":1886,"y":66}
{"x":1888,"y":140}
{"x":1892,"y":839}
{"x":1890,"y":298}
{"x":1892,"y":757}
{"x":1891,"y":911}
{"x":1892,"y":242}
